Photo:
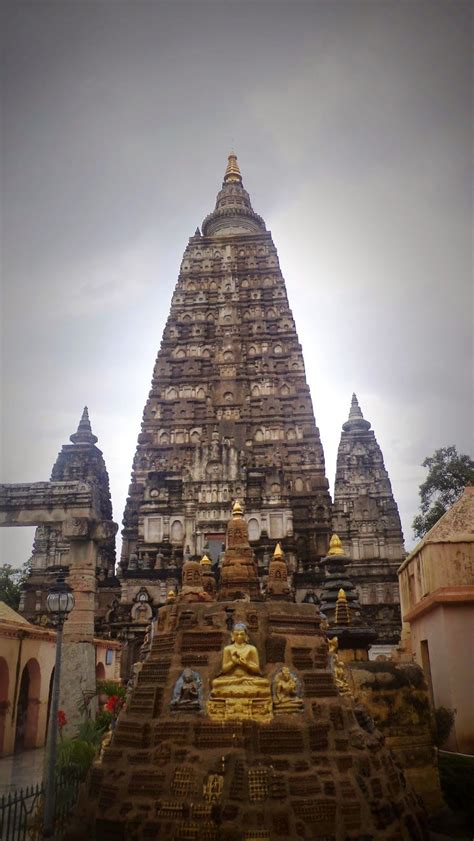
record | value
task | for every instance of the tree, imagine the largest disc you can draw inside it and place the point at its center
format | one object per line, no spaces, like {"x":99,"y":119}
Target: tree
{"x":448,"y":474}
{"x":11,"y":580}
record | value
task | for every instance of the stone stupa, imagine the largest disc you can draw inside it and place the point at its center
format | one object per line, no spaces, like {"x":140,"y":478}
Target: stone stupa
{"x":236,"y":730}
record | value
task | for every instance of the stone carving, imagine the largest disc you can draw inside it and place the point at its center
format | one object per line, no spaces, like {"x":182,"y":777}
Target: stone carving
{"x":187,"y":692}
{"x":213,"y":787}
{"x":240,"y":691}
{"x":339,"y":672}
{"x":287,"y":692}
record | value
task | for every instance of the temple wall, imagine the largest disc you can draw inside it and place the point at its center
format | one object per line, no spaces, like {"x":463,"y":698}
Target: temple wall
{"x":396,"y":696}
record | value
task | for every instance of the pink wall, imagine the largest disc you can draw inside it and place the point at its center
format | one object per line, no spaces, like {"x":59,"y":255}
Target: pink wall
{"x":449,"y":629}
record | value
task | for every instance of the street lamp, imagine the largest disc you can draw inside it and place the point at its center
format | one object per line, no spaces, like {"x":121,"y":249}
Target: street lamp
{"x":59,"y":603}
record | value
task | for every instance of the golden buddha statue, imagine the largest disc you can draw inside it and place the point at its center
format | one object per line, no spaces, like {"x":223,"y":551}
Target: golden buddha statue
{"x":240,"y":691}
{"x":338,"y":668}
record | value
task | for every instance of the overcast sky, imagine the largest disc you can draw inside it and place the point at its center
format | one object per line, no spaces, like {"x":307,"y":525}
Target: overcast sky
{"x":352,"y":122}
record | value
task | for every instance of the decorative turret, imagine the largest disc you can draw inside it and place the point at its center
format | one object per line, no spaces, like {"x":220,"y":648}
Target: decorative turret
{"x":84,"y":431}
{"x":192,"y":589}
{"x":239,"y":578}
{"x":343,"y":614}
{"x":207,"y":575}
{"x":233,"y":213}
{"x":356,"y":419}
{"x":365,"y":516}
{"x":278,"y":586}
{"x":79,"y":461}
{"x":340,"y":604}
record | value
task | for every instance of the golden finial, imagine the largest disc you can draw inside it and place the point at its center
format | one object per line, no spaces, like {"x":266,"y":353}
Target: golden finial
{"x":237,"y":510}
{"x":232,"y":173}
{"x":278,"y":553}
{"x":205,"y":561}
{"x":171,"y":596}
{"x":335,"y":546}
{"x":342,"y":615}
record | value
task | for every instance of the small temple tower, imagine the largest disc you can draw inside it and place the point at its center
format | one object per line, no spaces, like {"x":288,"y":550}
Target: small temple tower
{"x":366,"y":518}
{"x":81,"y":460}
{"x":340,"y":605}
{"x":239,"y":576}
{"x":278,"y":586}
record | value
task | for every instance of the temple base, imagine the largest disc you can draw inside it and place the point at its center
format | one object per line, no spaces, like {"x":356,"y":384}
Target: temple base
{"x":240,"y":709}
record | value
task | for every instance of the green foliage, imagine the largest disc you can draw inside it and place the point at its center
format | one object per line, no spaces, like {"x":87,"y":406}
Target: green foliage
{"x":448,"y":474}
{"x":444,"y":721}
{"x":91,"y":732}
{"x":75,"y":757}
{"x":110,"y":688}
{"x":104,"y":720}
{"x":11,"y":581}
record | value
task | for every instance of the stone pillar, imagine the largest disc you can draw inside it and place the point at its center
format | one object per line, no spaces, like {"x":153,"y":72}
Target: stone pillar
{"x":78,"y":681}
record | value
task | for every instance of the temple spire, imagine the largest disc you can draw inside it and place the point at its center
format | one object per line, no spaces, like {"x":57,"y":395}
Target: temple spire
{"x":84,"y":433}
{"x":232,"y":174}
{"x":356,"y":418}
{"x":233,"y":214}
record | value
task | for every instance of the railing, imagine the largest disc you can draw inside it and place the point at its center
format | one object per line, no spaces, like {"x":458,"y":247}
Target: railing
{"x":21,"y":812}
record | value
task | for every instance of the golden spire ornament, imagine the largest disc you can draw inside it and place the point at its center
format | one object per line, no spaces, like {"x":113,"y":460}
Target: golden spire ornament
{"x":278,"y":553}
{"x":232,"y":174}
{"x":205,"y":561}
{"x":237,"y":510}
{"x":335,"y":546}
{"x":342,"y":615}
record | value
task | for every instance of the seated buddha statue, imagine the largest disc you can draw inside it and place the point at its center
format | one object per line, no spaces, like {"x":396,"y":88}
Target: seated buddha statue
{"x":240,"y":676}
{"x":286,"y":697}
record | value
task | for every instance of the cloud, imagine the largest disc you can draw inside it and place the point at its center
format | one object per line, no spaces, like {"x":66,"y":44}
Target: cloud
{"x":352,"y":125}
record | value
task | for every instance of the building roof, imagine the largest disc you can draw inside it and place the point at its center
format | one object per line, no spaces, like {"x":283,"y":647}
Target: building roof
{"x":457,"y":523}
{"x":7,"y":614}
{"x":456,"y":526}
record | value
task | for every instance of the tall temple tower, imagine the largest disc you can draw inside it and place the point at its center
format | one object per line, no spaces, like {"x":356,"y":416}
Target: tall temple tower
{"x":366,"y":518}
{"x":229,"y":415}
{"x":79,"y":461}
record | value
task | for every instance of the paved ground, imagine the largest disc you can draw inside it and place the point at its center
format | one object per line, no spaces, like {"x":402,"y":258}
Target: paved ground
{"x":21,"y":770}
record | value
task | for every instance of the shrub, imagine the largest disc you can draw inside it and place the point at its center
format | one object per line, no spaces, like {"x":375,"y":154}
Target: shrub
{"x":457,"y":782}
{"x":75,"y":757}
{"x":444,"y":720}
{"x":104,"y":720}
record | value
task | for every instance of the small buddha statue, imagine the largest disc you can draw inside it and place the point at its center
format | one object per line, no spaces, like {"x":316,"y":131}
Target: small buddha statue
{"x":286,"y":697}
{"x":187,"y":692}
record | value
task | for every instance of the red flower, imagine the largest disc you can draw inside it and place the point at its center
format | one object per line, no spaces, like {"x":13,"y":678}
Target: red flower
{"x":112,"y":703}
{"x":62,"y":720}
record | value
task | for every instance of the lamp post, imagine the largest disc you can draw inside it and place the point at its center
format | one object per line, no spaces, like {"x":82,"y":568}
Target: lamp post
{"x":59,"y":603}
